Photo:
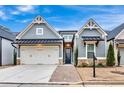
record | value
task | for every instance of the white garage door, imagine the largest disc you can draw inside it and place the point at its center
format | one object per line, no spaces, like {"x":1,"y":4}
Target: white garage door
{"x":122,"y":56}
{"x":39,"y":55}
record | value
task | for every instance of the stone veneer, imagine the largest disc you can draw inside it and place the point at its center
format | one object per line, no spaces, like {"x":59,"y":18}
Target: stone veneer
{"x":17,"y":61}
{"x":89,"y":62}
{"x":61,"y":61}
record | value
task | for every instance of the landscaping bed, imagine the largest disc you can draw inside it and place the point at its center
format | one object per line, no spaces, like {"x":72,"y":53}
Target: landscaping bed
{"x":3,"y":67}
{"x":102,"y":73}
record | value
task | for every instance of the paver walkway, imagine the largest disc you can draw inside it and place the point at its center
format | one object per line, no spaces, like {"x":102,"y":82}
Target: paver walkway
{"x":65,"y":73}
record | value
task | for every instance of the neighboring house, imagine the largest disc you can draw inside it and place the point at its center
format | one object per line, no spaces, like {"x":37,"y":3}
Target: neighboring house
{"x":91,"y":38}
{"x":68,"y":36}
{"x":6,"y":49}
{"x":116,"y":37}
{"x":39,"y":43}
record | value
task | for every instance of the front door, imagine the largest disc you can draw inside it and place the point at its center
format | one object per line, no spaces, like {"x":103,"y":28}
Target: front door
{"x":68,"y":56}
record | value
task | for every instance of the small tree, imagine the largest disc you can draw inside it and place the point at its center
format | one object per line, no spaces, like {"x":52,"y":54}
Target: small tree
{"x":110,"y":56}
{"x":76,"y":57}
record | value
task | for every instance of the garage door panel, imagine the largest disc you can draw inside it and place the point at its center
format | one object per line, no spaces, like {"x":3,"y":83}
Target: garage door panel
{"x":43,"y":55}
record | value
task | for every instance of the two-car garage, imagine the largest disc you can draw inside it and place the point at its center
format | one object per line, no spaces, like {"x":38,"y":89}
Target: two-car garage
{"x":39,"y":54}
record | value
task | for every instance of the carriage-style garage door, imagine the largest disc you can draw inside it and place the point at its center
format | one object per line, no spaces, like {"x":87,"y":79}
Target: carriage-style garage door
{"x":39,"y":55}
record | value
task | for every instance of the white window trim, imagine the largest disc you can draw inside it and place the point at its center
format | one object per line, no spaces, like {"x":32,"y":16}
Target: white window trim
{"x":37,"y":31}
{"x":94,"y":49}
{"x":67,"y":37}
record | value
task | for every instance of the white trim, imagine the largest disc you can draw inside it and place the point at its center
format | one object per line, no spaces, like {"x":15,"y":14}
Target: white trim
{"x":119,"y":34}
{"x":98,"y":28}
{"x":96,"y":57}
{"x":94,"y":49}
{"x":24,"y":31}
{"x":86,"y":51}
{"x":18,"y":57}
{"x":60,"y":58}
{"x":105,"y":46}
{"x":62,"y":49}
{"x":37,"y":31}
{"x":82,"y":58}
{"x":101,"y":57}
{"x":68,"y":39}
{"x":34,"y":22}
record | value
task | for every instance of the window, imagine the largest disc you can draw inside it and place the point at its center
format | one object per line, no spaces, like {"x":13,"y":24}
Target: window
{"x":68,"y":37}
{"x":39,"y":31}
{"x":90,"y":50}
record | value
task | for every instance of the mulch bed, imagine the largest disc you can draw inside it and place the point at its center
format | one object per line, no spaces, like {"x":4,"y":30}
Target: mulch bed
{"x":102,"y":74}
{"x":118,"y":72}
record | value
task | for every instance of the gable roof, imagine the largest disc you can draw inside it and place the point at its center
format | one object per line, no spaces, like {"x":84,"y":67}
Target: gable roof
{"x":91,"y":24}
{"x":5,"y":33}
{"x":37,"y":20}
{"x":108,"y":32}
{"x":115,"y":31}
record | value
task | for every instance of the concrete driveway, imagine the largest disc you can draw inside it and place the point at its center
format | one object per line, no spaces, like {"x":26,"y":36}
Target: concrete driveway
{"x":27,"y":74}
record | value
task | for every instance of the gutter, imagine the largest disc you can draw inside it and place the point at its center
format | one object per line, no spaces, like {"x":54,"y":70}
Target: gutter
{"x":13,"y":45}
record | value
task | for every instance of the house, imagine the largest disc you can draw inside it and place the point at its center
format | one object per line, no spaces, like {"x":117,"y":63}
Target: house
{"x":91,"y":38}
{"x":68,"y":36}
{"x":116,"y":38}
{"x":39,"y":43}
{"x":6,"y":49}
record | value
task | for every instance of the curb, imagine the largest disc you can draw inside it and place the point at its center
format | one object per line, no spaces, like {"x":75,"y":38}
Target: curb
{"x":103,"y":82}
{"x":48,"y":83}
{"x":73,"y":83}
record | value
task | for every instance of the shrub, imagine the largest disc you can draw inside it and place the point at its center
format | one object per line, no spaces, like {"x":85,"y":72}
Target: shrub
{"x":100,"y":65}
{"x":76,"y":57}
{"x":110,"y":56}
{"x":83,"y":65}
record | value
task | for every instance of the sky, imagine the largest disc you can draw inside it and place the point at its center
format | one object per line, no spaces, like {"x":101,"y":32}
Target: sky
{"x":66,"y":17}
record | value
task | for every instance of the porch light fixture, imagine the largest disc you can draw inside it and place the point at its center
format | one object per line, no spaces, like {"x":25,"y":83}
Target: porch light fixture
{"x":67,"y":45}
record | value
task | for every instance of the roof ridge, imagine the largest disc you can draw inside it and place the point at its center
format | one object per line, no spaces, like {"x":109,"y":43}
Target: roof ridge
{"x":5,"y":28}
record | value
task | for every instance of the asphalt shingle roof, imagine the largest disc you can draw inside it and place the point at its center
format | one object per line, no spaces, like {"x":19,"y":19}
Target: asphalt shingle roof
{"x":115,"y":31}
{"x":5,"y":33}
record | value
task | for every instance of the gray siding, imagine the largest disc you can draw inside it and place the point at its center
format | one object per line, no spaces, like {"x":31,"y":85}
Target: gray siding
{"x":90,"y":33}
{"x":81,"y":48}
{"x":47,"y":33}
{"x":100,"y":49}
